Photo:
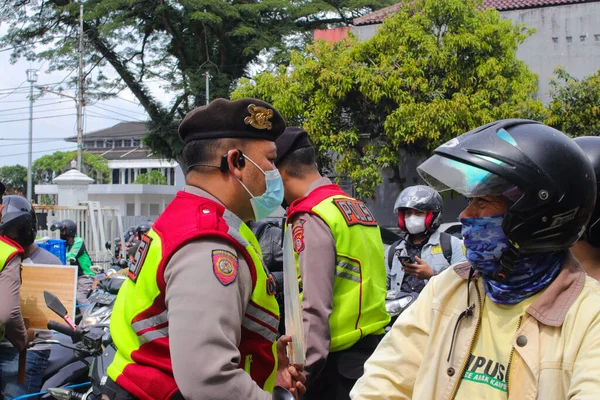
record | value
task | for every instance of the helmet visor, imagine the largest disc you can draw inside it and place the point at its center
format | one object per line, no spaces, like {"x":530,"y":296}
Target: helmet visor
{"x":446,"y":174}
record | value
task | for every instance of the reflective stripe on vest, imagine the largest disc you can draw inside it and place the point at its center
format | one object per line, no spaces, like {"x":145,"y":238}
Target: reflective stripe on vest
{"x":344,"y":270}
{"x":256,"y":319}
{"x":147,"y":329}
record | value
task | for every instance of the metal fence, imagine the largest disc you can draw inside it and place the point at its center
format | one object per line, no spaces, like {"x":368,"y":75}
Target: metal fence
{"x":96,"y":225}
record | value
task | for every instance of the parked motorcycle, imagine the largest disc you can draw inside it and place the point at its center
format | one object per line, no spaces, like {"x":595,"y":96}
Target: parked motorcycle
{"x":67,"y":366}
{"x":396,"y":303}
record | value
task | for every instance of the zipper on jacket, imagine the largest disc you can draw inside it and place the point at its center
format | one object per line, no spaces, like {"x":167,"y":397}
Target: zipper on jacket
{"x":512,"y":351}
{"x":466,"y":362}
{"x":248,"y":363}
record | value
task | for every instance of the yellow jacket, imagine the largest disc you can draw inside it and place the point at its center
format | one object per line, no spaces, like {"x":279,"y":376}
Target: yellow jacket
{"x":556,"y":349}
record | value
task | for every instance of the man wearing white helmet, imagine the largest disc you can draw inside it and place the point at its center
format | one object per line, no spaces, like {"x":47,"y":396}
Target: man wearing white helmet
{"x":424,"y":251}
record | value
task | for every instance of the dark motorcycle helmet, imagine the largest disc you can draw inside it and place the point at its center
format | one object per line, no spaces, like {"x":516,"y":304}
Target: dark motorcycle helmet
{"x":591,"y":147}
{"x":421,"y":198}
{"x":547,"y":177}
{"x":18,"y":221}
{"x":141,"y":229}
{"x":68,"y":226}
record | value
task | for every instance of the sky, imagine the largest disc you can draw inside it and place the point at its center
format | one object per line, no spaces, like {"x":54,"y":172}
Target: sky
{"x":54,"y":116}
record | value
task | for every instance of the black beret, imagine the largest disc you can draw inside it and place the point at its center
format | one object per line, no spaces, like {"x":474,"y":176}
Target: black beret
{"x":293,"y":138}
{"x":243,"y":118}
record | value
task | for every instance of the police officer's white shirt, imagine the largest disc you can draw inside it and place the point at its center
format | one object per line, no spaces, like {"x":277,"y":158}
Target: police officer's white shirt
{"x":431,"y":253}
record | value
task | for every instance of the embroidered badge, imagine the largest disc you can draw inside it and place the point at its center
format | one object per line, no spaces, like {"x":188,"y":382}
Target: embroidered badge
{"x":355,"y":212}
{"x":140,"y":255}
{"x":225,"y":266}
{"x":271,"y":285}
{"x":436,"y":250}
{"x":298,"y":235}
{"x":259,"y":117}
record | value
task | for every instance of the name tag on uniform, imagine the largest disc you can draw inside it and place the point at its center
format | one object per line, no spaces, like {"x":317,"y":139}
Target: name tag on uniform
{"x":355,"y":212}
{"x":436,"y":249}
{"x":140,"y":257}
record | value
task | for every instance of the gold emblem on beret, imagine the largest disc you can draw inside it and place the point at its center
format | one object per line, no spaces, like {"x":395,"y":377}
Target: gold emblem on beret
{"x":259,"y":117}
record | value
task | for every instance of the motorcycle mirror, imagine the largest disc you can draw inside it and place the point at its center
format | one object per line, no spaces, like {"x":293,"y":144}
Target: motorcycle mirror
{"x":53,"y":303}
{"x":107,"y":245}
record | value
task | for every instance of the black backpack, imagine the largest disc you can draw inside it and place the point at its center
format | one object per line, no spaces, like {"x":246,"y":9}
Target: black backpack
{"x":445,"y":244}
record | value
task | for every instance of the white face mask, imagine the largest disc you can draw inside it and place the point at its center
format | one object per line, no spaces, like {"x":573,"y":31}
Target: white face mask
{"x":415,"y":224}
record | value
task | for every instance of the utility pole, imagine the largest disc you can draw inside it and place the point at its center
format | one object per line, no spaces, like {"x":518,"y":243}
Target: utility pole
{"x":80,"y":101}
{"x":32,"y":75}
{"x":207,"y":87}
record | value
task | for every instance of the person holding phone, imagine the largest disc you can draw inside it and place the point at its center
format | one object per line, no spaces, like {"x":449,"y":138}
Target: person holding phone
{"x":424,"y":251}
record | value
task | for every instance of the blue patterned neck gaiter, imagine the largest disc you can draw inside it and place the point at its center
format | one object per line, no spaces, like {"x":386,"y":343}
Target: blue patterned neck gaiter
{"x":485,"y":242}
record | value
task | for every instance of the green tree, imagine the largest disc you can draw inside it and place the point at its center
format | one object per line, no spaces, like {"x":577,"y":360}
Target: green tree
{"x":575,"y":105}
{"x":50,"y":166}
{"x":14,"y":178}
{"x":151,"y":178}
{"x":175,"y":42}
{"x":434,"y":70}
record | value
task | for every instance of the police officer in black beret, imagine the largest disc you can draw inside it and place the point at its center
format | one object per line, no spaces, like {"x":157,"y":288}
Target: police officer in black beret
{"x":197,"y":318}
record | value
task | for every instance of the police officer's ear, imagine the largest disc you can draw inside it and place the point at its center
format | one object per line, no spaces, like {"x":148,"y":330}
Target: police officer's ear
{"x":233,"y":161}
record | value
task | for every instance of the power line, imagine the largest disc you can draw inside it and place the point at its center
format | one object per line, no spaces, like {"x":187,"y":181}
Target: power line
{"x":35,"y":105}
{"x":124,"y":110}
{"x":27,"y":119}
{"x":115,"y":112}
{"x":14,"y":90}
{"x":39,"y":111}
{"x":39,"y":151}
{"x":96,"y":115}
{"x":47,"y":138}
{"x":35,"y":142}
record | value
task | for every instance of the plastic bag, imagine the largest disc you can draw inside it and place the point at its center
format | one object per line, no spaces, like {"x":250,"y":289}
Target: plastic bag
{"x":293,"y":307}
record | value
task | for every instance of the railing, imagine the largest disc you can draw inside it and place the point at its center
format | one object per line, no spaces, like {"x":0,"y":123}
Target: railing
{"x":95,"y":224}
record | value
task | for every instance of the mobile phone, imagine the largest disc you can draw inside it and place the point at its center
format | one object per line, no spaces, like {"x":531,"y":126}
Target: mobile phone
{"x":406,"y":260}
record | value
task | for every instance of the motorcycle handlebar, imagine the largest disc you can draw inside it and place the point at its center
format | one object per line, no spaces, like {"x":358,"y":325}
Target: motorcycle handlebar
{"x":62,"y":328}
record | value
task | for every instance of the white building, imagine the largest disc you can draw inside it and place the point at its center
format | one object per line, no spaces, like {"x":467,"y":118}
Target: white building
{"x":127,"y":157}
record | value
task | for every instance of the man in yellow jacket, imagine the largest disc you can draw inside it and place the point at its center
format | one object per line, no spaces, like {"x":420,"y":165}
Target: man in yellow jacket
{"x":520,"y":319}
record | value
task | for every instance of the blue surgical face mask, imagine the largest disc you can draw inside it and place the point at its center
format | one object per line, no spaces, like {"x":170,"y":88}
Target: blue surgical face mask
{"x":485,"y":242}
{"x":265,"y":204}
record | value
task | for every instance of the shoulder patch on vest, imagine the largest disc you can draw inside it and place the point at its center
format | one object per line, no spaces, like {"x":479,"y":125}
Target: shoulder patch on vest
{"x":355,"y":212}
{"x":225,"y":266}
{"x":436,"y":249}
{"x":298,"y":235}
{"x":140,"y":256}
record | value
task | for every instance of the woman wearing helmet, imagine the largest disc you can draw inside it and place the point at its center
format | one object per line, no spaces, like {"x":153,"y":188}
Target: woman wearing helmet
{"x":587,"y":249}
{"x":424,"y":251}
{"x":520,"y":319}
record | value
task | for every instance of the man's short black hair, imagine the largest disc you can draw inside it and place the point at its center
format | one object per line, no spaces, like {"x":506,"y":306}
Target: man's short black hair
{"x":207,"y":151}
{"x":299,"y":162}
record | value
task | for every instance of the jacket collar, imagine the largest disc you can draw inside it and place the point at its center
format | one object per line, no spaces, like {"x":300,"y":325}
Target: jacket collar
{"x":551,"y":307}
{"x":432,"y":240}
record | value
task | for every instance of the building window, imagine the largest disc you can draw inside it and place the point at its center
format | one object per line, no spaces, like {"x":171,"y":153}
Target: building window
{"x":569,"y":39}
{"x":582,"y":38}
{"x":145,"y":210}
{"x":116,"y":176}
{"x":130,"y":209}
{"x":143,"y":170}
{"x":118,"y":143}
{"x":555,"y":40}
{"x":597,"y":37}
{"x":154,"y":209}
{"x":172,"y":173}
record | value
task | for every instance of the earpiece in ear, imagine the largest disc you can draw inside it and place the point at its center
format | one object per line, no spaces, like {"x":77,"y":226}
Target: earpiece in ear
{"x":241,"y":160}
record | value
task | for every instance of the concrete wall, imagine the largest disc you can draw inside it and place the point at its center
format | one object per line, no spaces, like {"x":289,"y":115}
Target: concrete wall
{"x":580,"y":57}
